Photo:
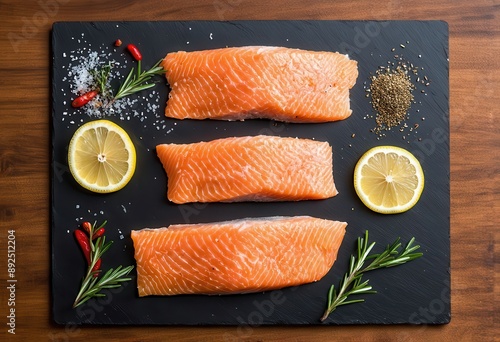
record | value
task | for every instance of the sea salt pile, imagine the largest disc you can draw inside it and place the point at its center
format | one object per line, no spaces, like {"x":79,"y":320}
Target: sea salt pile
{"x":82,"y":65}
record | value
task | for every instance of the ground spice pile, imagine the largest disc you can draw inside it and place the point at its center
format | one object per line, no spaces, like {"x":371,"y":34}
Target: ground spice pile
{"x":391,"y":96}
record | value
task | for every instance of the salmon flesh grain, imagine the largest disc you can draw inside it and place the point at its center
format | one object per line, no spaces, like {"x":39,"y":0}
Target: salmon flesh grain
{"x":279,"y":83}
{"x":260,"y":168}
{"x":241,"y":256}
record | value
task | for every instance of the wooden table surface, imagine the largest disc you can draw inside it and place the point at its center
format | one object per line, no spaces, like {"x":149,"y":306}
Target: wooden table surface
{"x":24,"y":160}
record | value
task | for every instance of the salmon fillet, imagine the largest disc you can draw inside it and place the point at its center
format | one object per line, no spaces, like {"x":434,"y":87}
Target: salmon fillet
{"x":261,"y":168}
{"x":240,"y":256}
{"x":277,"y":83}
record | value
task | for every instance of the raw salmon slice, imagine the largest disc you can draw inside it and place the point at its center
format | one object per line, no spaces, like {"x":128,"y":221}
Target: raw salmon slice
{"x":261,"y":168}
{"x":277,"y":83}
{"x":240,"y":256}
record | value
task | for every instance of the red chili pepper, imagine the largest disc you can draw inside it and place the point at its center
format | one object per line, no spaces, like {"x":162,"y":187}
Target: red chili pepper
{"x":134,"y":51}
{"x":84,"y":99}
{"x":98,"y":233}
{"x":96,"y":267}
{"x":87,"y":226}
{"x":84,"y":243}
{"x":118,"y":42}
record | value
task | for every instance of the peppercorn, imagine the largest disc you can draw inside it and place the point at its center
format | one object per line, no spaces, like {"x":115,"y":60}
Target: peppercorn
{"x":391,"y":93}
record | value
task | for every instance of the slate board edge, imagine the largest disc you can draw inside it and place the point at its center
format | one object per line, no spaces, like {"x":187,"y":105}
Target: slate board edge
{"x":52,"y":161}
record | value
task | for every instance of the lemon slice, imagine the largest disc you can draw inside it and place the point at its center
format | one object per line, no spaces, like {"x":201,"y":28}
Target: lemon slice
{"x":101,"y":156}
{"x":388,"y":179}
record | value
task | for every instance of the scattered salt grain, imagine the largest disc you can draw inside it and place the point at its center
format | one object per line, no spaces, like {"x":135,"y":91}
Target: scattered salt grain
{"x":211,"y":38}
{"x":77,"y":206}
{"x":79,"y":79}
{"x":124,"y":209}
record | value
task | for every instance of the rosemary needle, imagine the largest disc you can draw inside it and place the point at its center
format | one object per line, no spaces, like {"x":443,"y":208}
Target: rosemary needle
{"x":101,"y":77}
{"x":136,"y":81}
{"x":352,"y":284}
{"x":92,"y":284}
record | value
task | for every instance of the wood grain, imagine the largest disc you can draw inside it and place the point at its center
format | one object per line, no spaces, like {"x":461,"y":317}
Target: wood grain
{"x":24,"y":160}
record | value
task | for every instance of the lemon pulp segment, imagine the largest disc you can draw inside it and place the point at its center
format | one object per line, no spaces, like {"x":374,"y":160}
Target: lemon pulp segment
{"x":388,"y":179}
{"x":101,"y":156}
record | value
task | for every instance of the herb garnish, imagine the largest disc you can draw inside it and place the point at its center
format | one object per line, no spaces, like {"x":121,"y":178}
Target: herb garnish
{"x":136,"y":82}
{"x":351,"y":283}
{"x":101,"y":76}
{"x":92,"y":284}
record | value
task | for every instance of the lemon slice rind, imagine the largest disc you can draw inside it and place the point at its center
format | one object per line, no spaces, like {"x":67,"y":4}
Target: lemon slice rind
{"x":379,"y":189}
{"x":105,"y":141}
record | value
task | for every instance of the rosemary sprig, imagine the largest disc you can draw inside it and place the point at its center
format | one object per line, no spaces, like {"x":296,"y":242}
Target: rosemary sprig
{"x":101,"y":77}
{"x":136,"y":81}
{"x":352,"y":284}
{"x":92,"y":284}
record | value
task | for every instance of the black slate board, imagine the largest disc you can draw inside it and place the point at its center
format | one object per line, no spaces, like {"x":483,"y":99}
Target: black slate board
{"x":416,"y":293}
